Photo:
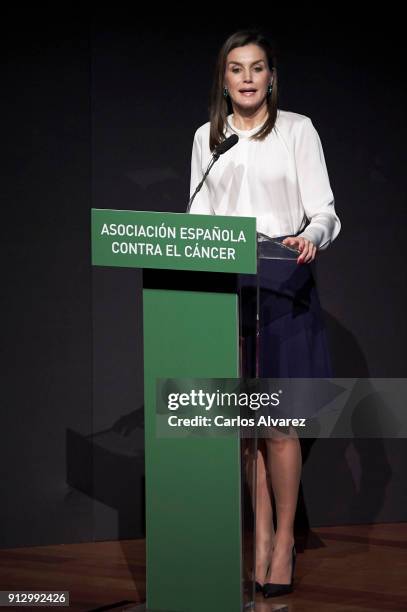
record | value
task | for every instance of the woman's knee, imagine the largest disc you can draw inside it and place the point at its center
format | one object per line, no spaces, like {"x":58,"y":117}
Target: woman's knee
{"x":280,"y":443}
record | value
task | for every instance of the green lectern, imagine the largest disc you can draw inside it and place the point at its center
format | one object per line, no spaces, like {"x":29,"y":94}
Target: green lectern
{"x":199,"y":520}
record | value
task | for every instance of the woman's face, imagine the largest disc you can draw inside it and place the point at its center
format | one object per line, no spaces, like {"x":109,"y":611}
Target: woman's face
{"x":247,"y":76}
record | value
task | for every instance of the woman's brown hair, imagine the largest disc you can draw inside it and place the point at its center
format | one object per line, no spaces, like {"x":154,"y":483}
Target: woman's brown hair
{"x":221,"y":107}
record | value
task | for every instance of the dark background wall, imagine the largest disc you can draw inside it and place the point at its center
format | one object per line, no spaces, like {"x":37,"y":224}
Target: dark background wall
{"x":100,"y":110}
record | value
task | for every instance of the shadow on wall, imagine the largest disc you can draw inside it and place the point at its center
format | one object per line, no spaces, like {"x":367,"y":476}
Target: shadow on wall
{"x":345,"y":480}
{"x":108,"y":466}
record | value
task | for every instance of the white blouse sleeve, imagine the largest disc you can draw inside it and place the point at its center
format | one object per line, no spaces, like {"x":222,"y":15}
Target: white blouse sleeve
{"x":202,"y":201}
{"x":315,"y":190}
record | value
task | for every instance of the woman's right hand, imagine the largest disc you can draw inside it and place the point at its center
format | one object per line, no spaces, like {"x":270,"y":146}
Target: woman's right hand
{"x":307,"y":249}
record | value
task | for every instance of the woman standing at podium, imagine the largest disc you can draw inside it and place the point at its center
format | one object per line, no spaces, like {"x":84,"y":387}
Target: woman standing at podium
{"x":276,"y":173}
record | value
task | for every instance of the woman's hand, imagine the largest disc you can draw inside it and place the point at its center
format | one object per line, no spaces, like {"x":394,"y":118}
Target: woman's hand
{"x":307,"y":248}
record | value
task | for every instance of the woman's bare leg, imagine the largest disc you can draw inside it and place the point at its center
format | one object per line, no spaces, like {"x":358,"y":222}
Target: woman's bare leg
{"x":264,"y":514}
{"x":284,"y":464}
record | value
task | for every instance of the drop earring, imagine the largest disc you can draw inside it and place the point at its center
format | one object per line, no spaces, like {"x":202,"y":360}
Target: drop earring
{"x":225,"y":92}
{"x":270,"y":88}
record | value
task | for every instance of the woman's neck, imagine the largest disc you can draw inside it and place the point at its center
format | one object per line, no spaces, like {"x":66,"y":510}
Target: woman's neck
{"x":247,"y":121}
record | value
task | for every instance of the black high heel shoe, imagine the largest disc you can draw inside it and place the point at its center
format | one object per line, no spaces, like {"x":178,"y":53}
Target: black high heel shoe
{"x":273,"y":589}
{"x":259,"y":587}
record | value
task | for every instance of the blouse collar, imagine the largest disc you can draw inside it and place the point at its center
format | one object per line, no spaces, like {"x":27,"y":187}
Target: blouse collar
{"x":239,"y":132}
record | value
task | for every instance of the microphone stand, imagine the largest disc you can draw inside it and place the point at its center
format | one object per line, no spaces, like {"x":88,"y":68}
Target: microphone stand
{"x":215,"y":157}
{"x":221,"y":148}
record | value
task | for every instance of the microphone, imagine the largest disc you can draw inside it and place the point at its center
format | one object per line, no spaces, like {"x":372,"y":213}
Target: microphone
{"x":225,"y":145}
{"x":220,"y":149}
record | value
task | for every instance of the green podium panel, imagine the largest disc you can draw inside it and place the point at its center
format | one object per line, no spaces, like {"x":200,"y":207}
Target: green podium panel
{"x":193,"y":484}
{"x":195,"y":519}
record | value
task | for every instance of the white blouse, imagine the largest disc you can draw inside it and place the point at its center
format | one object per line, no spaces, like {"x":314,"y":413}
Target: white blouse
{"x":281,"y":180}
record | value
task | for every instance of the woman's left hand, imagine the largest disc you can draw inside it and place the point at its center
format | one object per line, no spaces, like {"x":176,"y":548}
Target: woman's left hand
{"x":307,"y":248}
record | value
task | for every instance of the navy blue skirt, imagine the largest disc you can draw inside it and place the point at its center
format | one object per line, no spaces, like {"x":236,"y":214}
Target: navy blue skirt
{"x":292,"y":342}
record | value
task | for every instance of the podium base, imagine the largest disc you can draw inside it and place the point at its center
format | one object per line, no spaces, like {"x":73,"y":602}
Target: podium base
{"x":251,"y":608}
{"x":138,"y":608}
